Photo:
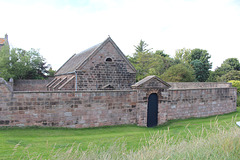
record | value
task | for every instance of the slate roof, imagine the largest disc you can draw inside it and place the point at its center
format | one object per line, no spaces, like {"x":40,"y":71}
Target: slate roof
{"x":78,"y":60}
{"x":146,"y":79}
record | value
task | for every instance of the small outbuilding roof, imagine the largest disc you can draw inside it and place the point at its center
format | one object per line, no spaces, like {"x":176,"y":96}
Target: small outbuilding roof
{"x":149,"y":79}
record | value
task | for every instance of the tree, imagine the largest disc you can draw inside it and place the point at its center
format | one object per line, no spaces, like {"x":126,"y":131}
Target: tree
{"x":228,"y":70}
{"x":232,"y":75}
{"x":51,"y":72}
{"x":142,"y":47}
{"x":161,"y":53}
{"x":179,"y":73}
{"x":22,"y":64}
{"x":212,"y":77}
{"x":201,"y":72}
{"x":183,"y":55}
{"x":147,"y":62}
{"x":199,"y":59}
{"x":5,"y":62}
{"x":233,"y":63}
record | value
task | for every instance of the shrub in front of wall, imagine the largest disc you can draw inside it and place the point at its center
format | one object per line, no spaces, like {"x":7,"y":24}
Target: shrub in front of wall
{"x":236,"y":84}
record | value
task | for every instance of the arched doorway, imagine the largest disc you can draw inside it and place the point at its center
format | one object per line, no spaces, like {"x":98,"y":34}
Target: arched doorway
{"x":152,"y":110}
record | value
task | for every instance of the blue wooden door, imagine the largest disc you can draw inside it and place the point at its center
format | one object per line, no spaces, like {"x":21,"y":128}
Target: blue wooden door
{"x":152,"y":110}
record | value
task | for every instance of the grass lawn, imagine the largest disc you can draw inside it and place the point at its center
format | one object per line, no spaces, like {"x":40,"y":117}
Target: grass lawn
{"x":17,"y":142}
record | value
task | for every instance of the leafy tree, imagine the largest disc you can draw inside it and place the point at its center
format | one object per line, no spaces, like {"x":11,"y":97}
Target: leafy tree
{"x":22,"y":64}
{"x":233,"y":63}
{"x":228,"y":70}
{"x":142,"y":47}
{"x":5,"y":62}
{"x":161,"y":53}
{"x":147,"y":62}
{"x":179,"y":73}
{"x":199,"y":59}
{"x":235,"y":83}
{"x":231,"y":75}
{"x":212,"y":77}
{"x":201,"y":72}
{"x":51,"y":72}
{"x":227,"y":66}
{"x":183,"y":55}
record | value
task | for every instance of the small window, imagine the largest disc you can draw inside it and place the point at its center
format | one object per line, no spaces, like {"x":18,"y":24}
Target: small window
{"x":109,"y":59}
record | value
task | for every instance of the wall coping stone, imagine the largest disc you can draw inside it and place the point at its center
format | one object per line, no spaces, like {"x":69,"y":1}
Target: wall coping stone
{"x":183,"y":89}
{"x":71,"y":91}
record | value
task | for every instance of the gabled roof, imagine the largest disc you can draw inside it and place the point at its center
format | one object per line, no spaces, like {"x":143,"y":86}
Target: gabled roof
{"x":148,"y":79}
{"x":78,"y":60}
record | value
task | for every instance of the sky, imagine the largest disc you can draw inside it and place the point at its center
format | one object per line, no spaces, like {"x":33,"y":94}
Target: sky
{"x":60,"y":28}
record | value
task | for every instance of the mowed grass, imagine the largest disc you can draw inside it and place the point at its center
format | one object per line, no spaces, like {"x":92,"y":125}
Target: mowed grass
{"x":19,"y":143}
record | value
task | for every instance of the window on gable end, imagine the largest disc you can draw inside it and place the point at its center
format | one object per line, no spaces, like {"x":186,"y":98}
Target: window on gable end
{"x":109,"y":60}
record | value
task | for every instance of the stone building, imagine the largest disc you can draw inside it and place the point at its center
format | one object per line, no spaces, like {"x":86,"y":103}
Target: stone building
{"x":97,"y":88}
{"x":101,"y":67}
{"x":4,"y":41}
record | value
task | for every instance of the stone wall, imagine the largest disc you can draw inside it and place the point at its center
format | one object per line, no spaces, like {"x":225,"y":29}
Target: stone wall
{"x":97,"y":72}
{"x":186,"y":103}
{"x":31,"y":84}
{"x":100,"y":108}
{"x":67,"y":109}
{"x":194,"y":85}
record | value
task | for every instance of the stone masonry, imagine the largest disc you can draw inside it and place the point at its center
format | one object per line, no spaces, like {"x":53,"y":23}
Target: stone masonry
{"x":79,"y":109}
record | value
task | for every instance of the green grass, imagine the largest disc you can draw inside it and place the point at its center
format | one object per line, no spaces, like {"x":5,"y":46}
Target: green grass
{"x":43,"y":142}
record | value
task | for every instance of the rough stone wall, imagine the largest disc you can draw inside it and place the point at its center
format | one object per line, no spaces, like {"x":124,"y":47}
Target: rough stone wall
{"x":194,"y":85}
{"x":188,"y":103}
{"x":67,"y":109}
{"x":31,"y":85}
{"x":97,"y":72}
{"x":100,"y":108}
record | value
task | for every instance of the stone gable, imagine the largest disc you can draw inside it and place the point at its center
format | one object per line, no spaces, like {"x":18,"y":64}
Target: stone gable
{"x":151,"y":82}
{"x":98,"y":72}
{"x":94,"y":68}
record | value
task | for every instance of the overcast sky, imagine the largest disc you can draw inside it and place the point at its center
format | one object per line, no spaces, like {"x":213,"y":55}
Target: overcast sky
{"x":60,"y":28}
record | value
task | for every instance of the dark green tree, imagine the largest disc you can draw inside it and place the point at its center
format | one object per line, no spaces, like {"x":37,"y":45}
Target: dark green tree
{"x":233,"y":63}
{"x":199,"y":59}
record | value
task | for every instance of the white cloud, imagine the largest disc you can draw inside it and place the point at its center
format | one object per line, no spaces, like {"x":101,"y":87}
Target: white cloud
{"x":62,"y":29}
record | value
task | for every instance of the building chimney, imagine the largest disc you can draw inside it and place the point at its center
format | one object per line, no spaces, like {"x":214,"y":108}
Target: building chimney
{"x":6,"y":36}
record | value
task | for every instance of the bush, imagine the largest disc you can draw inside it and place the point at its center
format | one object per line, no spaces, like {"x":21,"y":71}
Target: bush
{"x":236,"y":84}
{"x":179,"y":73}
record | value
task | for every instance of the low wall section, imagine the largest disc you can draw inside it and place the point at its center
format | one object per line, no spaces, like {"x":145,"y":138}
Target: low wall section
{"x":67,"y":109}
{"x":195,"y":85}
{"x":31,"y":84}
{"x":188,"y":103}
